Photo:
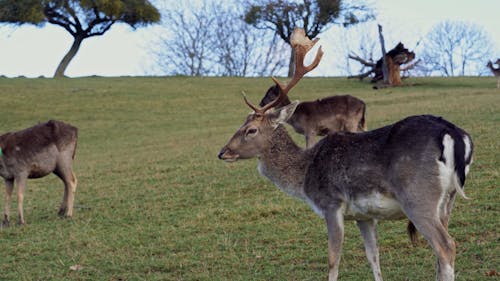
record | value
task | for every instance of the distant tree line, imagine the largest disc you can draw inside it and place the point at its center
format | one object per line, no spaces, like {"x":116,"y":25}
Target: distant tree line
{"x":450,"y":48}
{"x":455,"y":48}
{"x":213,"y":40}
{"x":249,"y":38}
{"x":252,"y":39}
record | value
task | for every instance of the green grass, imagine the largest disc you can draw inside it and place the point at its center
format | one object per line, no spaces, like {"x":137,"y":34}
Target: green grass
{"x":154,"y":202}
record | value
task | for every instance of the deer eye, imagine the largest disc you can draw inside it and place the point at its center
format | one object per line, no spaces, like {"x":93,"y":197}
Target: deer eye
{"x":251,"y":131}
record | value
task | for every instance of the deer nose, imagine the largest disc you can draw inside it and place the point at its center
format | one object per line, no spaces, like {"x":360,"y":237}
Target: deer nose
{"x":222,"y":151}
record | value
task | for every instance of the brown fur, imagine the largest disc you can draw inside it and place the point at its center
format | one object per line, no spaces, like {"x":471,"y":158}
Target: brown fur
{"x":36,"y":152}
{"x":342,"y":113}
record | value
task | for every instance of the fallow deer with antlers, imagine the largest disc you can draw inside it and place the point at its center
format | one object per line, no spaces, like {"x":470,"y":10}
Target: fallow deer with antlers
{"x":323,"y":116}
{"x":410,"y":169}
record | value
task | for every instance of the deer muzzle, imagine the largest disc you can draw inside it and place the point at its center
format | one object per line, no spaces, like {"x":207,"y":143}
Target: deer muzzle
{"x":227,"y":155}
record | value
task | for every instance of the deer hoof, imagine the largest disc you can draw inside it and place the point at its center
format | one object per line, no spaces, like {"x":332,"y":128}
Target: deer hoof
{"x":5,"y":223}
{"x":61,"y":212}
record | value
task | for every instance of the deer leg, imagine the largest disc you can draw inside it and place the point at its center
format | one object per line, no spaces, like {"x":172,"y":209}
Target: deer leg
{"x":429,"y":219}
{"x":71,"y":196}
{"x":64,"y":203}
{"x":21,"y":187}
{"x":442,"y":244}
{"x":335,"y":225}
{"x":9,"y":186}
{"x":368,"y":231}
{"x":68,"y":177}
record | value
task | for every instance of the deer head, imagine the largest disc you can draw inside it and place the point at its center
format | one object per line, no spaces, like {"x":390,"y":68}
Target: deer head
{"x":254,"y":134}
{"x":272,"y":93}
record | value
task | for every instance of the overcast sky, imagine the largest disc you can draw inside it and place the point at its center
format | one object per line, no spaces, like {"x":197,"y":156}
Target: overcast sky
{"x":32,"y":51}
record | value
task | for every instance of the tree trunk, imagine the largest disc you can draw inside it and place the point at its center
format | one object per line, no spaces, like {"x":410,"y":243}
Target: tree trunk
{"x":68,"y":57}
{"x":394,"y":72}
{"x":385,"y":67}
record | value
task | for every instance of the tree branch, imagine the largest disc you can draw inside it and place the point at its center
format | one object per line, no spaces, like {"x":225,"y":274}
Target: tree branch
{"x":102,"y":31}
{"x":54,"y":17}
{"x":410,"y":65}
{"x":361,"y":60}
{"x":362,"y":75}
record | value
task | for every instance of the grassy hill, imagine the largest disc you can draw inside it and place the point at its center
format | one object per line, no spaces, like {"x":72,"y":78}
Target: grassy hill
{"x":154,"y":202}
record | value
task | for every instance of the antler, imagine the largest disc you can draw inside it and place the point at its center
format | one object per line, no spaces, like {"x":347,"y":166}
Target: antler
{"x":300,"y":46}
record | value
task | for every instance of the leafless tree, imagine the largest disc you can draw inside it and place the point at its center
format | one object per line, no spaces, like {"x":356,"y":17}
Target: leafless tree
{"x":388,"y":68}
{"x":241,"y":50}
{"x":185,"y":50}
{"x":454,"y":48}
{"x":211,"y":39}
{"x":366,"y":48}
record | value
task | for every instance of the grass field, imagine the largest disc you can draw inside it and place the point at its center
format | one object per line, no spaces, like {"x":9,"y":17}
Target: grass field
{"x":155,"y":203}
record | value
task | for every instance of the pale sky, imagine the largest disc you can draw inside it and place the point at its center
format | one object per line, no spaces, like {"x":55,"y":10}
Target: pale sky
{"x":32,"y":51}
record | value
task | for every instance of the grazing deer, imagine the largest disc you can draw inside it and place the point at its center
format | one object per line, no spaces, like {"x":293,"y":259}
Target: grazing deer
{"x":323,"y":116}
{"x":34,"y":153}
{"x":411,"y":169}
{"x":495,"y":71}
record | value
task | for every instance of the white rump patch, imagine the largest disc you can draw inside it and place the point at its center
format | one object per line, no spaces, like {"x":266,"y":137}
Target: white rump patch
{"x":447,"y":169}
{"x":467,"y":143}
{"x":468,"y":151}
{"x":447,"y":175}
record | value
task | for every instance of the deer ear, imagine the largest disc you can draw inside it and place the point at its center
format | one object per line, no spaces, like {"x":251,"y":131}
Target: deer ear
{"x":282,"y":114}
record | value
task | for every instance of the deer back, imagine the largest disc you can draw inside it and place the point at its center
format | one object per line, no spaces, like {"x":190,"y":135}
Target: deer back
{"x":387,"y":161}
{"x":331,"y":114}
{"x":34,"y":150}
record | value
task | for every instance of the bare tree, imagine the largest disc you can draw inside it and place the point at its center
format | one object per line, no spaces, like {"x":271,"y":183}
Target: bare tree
{"x":271,"y":58}
{"x":366,"y":48}
{"x":233,"y":51}
{"x":454,"y":48}
{"x":213,"y":39}
{"x":388,"y":68}
{"x":185,"y":51}
{"x":241,"y":50}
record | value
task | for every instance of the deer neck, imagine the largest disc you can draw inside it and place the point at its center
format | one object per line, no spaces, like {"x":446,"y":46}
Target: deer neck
{"x":285,"y":163}
{"x":284,"y":101}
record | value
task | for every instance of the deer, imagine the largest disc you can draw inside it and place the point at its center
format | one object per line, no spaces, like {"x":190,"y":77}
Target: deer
{"x":411,"y":169}
{"x":34,"y":153}
{"x":322,"y":116}
{"x":495,"y":71}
